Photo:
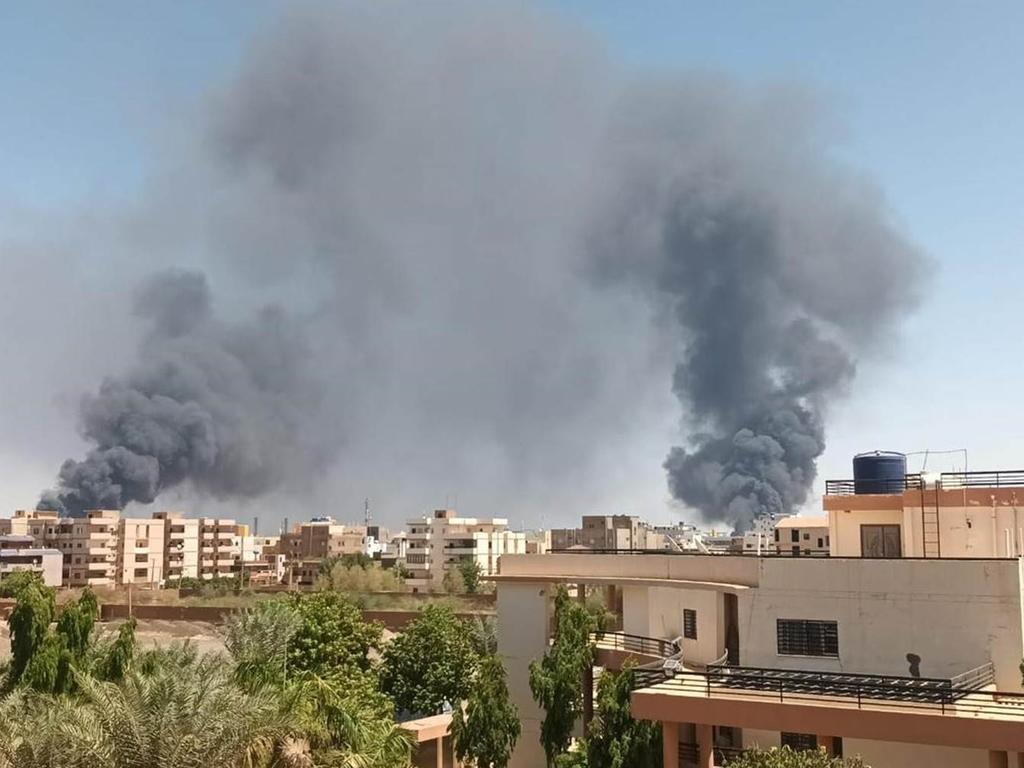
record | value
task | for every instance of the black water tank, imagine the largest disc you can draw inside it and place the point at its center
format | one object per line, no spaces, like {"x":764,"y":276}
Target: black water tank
{"x":879,"y":472}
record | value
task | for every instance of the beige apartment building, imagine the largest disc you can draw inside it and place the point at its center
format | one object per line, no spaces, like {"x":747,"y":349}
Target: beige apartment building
{"x":887,"y":649}
{"x":799,"y":535}
{"x":19,"y":553}
{"x":103,"y":549}
{"x":440,"y":542}
{"x":322,"y":538}
{"x":609,"y":532}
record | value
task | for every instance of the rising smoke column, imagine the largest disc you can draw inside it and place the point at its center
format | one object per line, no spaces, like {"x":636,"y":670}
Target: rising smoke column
{"x":220,"y":406}
{"x":473,"y":214}
{"x":776,"y":267}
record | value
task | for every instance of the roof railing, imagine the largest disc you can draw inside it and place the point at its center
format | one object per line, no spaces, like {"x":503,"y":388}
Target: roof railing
{"x":1012,"y":478}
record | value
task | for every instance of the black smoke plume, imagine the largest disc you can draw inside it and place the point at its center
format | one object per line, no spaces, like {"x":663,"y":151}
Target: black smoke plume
{"x":496,"y":245}
{"x":218,"y":405}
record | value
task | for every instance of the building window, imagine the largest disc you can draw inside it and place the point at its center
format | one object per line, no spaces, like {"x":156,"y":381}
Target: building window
{"x":795,"y":536}
{"x":689,"y":624}
{"x":799,"y":741}
{"x":807,"y":537}
{"x":776,"y":534}
{"x":821,"y":542}
{"x":800,"y":637}
{"x":880,"y":541}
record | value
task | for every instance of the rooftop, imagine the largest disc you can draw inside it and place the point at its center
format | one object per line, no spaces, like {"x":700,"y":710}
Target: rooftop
{"x":799,"y":521}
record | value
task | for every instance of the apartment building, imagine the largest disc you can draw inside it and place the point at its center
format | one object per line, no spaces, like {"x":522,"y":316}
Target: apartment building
{"x":440,"y":542}
{"x":220,"y":548}
{"x":322,"y":538}
{"x":903,"y":647}
{"x":141,"y":551}
{"x":181,"y":545}
{"x":18,"y":553}
{"x":799,"y":535}
{"x":603,"y":532}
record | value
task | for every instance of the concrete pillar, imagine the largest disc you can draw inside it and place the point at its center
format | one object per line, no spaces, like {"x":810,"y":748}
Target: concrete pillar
{"x":828,"y":743}
{"x":706,"y":746}
{"x":670,"y":744}
{"x":440,"y":751}
{"x":523,"y":637}
{"x":997,"y":758}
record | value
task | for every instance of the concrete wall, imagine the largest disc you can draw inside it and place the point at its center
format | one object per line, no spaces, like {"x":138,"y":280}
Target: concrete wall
{"x":522,"y":638}
{"x":888,"y":754}
{"x":844,"y":527}
{"x":683,"y":567}
{"x":954,"y":614}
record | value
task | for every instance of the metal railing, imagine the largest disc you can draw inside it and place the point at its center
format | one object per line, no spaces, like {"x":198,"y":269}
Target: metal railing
{"x":874,"y":485}
{"x":835,"y":690}
{"x":689,"y":754}
{"x":644,"y":646}
{"x":975,"y":679}
{"x":1003,"y":479}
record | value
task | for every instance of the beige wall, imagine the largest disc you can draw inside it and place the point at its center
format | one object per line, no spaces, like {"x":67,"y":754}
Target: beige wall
{"x":893,"y":754}
{"x":844,"y":527}
{"x":522,"y":638}
{"x":954,"y":614}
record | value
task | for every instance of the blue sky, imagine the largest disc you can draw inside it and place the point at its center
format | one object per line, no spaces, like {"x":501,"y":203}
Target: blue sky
{"x":927,"y":99}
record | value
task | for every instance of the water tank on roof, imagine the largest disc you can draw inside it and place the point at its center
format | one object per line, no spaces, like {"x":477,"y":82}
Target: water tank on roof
{"x":879,"y":472}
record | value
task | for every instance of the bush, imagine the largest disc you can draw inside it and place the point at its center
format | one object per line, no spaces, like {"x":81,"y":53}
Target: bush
{"x":785,"y":757}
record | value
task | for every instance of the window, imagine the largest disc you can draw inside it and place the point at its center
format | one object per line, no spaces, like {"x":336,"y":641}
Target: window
{"x":689,"y":624}
{"x":807,"y":537}
{"x":801,"y":637}
{"x":821,"y":542}
{"x":776,"y":534}
{"x":799,"y":741}
{"x":880,"y":541}
{"x":795,"y":536}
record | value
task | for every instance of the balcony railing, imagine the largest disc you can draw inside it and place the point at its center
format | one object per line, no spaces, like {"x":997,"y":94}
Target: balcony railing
{"x":644,"y":646}
{"x":1006,"y":479}
{"x":1013,"y":478}
{"x":962,"y":694}
{"x":689,"y":754}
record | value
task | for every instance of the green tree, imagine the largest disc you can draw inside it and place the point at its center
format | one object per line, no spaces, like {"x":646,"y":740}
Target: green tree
{"x":29,"y":625}
{"x":259,"y":639}
{"x":788,"y":758}
{"x":331,"y":635}
{"x":113,"y":659}
{"x":14,"y":582}
{"x":614,"y":738}
{"x":486,"y":731}
{"x":452,"y":582}
{"x":470,"y":571}
{"x":430,"y":664}
{"x":484,"y":634}
{"x":557,"y":679}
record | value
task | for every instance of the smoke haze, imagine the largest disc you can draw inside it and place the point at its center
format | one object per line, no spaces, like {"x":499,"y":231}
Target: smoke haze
{"x":492,"y":256}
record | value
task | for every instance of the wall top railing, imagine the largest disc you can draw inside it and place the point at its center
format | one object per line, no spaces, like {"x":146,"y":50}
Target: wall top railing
{"x":639,"y":644}
{"x":1013,"y":478}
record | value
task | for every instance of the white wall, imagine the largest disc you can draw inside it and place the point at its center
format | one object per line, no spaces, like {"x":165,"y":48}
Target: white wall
{"x":522,"y":638}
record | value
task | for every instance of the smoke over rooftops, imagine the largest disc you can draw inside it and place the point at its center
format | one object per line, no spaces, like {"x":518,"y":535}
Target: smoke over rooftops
{"x":491,"y":249}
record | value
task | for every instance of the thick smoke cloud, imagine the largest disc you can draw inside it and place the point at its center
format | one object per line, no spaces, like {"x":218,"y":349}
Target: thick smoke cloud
{"x":220,"y":406}
{"x":496,"y":247}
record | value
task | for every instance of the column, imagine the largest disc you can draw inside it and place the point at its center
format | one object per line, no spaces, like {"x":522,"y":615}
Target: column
{"x":439,"y":746}
{"x":828,"y":743}
{"x":997,"y":758}
{"x":706,"y":746}
{"x":670,"y":744}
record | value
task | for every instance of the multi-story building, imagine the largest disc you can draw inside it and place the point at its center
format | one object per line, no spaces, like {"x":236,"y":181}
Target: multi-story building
{"x":18,"y":553}
{"x":322,"y":538}
{"x":903,"y":647}
{"x":141,"y":551}
{"x":440,"y":542}
{"x":801,"y":535}
{"x":220,"y":548}
{"x":603,"y":532}
{"x":181,"y":545}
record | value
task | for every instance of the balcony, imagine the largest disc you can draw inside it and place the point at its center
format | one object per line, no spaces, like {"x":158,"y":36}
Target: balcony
{"x":963,"y":711}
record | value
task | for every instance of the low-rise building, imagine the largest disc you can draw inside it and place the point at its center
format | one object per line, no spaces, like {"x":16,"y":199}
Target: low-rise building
{"x":440,"y":542}
{"x":322,"y":538}
{"x":18,"y":553}
{"x":141,"y":551}
{"x":799,"y":535}
{"x":608,"y":532}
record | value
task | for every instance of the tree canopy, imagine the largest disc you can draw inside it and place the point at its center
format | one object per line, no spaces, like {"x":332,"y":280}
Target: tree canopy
{"x":430,"y":664}
{"x":486,"y":731}
{"x":556,"y":681}
{"x":784,"y":757}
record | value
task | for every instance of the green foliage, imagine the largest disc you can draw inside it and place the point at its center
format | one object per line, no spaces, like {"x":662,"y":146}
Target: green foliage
{"x":114,"y":659}
{"x":345,"y":575}
{"x":258,"y":639}
{"x":452,"y":582}
{"x":484,"y":634}
{"x":14,"y":582}
{"x":76,"y":622}
{"x":487,"y":730}
{"x":788,"y":758}
{"x":331,"y":636}
{"x":29,"y":625}
{"x":430,"y":664}
{"x":614,"y":739}
{"x":470,"y":571}
{"x":557,"y":679}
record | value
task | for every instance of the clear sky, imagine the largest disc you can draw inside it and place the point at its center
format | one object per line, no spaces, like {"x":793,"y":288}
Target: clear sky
{"x":928,"y":96}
